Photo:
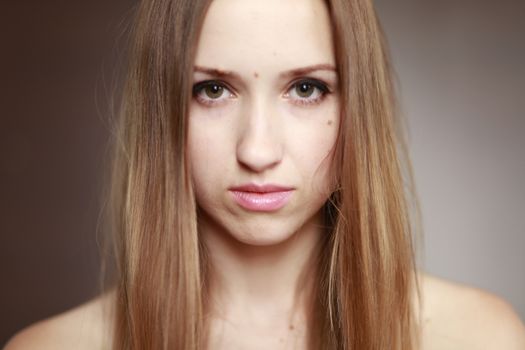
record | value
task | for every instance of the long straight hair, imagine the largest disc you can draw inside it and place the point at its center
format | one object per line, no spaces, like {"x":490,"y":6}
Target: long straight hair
{"x":366,"y":275}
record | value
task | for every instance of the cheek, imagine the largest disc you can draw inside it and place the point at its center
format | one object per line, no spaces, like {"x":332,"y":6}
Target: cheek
{"x":200,"y":139}
{"x":198,"y":152}
{"x":314,"y":147}
{"x":319,"y":164}
{"x":201,"y":148}
{"x":209,"y":150}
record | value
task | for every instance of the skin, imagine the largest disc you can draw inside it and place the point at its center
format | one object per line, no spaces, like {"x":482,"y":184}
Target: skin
{"x":262,"y":129}
{"x":259,"y":133}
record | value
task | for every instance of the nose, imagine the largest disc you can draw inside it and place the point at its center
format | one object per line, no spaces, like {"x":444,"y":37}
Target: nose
{"x":259,"y":145}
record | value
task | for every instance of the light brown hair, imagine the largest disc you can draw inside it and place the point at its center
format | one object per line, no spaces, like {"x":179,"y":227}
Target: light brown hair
{"x":366,"y":275}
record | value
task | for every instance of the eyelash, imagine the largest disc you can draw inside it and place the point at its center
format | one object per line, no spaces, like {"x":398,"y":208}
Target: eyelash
{"x":315,"y":83}
{"x":199,"y":87}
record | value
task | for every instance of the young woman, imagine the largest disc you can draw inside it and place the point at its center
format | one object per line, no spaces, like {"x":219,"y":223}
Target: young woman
{"x":260,"y":194}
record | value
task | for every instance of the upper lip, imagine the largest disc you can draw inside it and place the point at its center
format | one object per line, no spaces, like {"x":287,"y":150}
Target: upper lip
{"x":265,"y":188}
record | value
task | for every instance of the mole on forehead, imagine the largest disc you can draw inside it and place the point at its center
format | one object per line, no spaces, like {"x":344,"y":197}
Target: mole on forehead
{"x":256,"y":75}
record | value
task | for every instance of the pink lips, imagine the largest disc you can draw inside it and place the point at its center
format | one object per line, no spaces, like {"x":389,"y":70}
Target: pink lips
{"x":261,"y":197}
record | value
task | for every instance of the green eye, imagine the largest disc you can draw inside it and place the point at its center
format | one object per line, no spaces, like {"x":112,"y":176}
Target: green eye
{"x":308,"y":91}
{"x":304,"y":89}
{"x":213,"y":91}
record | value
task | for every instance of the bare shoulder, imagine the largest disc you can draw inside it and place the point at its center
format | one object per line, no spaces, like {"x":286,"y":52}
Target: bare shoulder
{"x":83,"y":327}
{"x":455,"y":316}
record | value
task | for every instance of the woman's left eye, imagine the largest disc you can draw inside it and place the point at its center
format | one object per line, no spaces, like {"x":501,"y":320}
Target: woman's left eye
{"x":307,"y":91}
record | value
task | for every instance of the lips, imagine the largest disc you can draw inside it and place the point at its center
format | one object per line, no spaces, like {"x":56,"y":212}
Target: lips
{"x":261,"y":198}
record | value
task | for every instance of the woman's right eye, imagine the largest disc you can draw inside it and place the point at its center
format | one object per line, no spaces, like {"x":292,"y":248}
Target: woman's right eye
{"x":211,"y":92}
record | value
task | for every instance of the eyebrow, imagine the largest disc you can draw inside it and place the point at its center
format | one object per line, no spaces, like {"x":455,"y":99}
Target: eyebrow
{"x":216,"y":72}
{"x":290,"y":73}
{"x":308,"y":69}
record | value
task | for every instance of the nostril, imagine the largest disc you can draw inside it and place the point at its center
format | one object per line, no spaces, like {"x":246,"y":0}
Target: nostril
{"x":258,"y":161}
{"x":257,"y":154}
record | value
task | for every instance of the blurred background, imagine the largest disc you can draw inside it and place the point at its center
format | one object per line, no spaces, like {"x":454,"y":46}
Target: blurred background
{"x":461,"y":70}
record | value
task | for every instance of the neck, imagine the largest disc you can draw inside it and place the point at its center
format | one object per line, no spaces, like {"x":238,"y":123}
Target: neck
{"x":261,"y":279}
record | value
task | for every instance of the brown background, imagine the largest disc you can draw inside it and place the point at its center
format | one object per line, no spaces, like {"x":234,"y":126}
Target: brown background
{"x":56,"y":65}
{"x":461,"y":68}
{"x":461,"y":65}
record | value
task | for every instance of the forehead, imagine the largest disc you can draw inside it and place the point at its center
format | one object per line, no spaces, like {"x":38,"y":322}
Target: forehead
{"x":263,"y":35}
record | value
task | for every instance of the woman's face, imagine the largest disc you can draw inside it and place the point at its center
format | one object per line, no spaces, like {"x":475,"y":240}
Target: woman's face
{"x":264,"y":117}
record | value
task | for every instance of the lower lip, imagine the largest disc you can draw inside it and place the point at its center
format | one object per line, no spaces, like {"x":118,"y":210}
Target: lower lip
{"x":267,"y":201}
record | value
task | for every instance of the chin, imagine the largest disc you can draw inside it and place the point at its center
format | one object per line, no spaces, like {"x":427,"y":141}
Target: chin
{"x":259,"y":230}
{"x":263,"y":237}
{"x":268,"y":231}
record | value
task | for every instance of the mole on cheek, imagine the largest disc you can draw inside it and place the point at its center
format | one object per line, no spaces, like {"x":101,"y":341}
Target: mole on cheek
{"x":256,"y":75}
{"x":330,"y":122}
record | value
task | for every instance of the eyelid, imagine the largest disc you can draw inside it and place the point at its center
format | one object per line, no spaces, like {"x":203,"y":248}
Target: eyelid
{"x":323,"y":91}
{"x":202,"y":84}
{"x":321,"y":85}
